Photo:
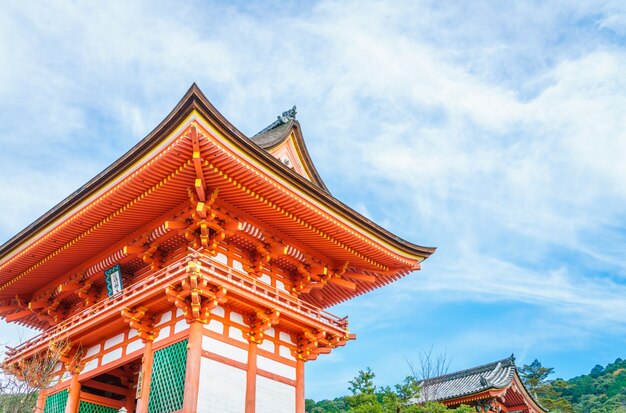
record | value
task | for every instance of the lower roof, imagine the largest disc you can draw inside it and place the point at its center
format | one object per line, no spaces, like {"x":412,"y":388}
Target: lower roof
{"x":497,"y":375}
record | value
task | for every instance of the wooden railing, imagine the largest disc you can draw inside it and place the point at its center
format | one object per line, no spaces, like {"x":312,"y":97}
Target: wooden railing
{"x":161,"y":277}
{"x":217,"y":272}
{"x":240,"y":279}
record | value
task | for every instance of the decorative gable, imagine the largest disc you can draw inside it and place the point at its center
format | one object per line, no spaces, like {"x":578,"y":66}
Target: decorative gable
{"x":283,"y":139}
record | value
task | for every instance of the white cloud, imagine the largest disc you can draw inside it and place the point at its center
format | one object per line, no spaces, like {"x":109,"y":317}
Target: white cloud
{"x":494,"y":132}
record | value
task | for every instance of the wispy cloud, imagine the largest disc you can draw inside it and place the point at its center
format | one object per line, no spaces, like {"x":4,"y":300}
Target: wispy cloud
{"x":494,"y":132}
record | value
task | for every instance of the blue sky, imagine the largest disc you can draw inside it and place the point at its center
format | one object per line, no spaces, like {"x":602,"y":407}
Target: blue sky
{"x":495,"y":131}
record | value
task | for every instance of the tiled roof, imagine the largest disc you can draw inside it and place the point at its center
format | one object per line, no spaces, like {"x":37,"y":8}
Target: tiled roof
{"x":276,"y":131}
{"x":496,"y":375}
{"x":270,"y":137}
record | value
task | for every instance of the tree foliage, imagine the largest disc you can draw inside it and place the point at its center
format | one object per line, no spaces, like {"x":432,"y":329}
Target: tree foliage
{"x":366,"y":397}
{"x":20,"y":383}
{"x":603,"y":390}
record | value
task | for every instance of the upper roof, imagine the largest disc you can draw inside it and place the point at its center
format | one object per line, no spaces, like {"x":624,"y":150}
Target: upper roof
{"x":498,"y":375}
{"x":279,"y":131}
{"x":101,"y":212}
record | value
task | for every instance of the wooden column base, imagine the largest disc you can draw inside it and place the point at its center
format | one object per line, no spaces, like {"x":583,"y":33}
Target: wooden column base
{"x":143,"y":395}
{"x":300,"y":386}
{"x":251,"y":379}
{"x":73,"y":399}
{"x":192,"y":373}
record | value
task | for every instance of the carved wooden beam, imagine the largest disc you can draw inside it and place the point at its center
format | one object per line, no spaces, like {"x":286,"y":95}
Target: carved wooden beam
{"x":259,"y":323}
{"x":310,"y":344}
{"x":17,"y":316}
{"x":200,"y":183}
{"x":7,"y":309}
{"x":140,"y":319}
{"x":194,"y":295}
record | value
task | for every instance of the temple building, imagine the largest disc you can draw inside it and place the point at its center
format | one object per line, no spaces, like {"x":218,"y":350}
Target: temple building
{"x":194,"y":273}
{"x":494,"y":387}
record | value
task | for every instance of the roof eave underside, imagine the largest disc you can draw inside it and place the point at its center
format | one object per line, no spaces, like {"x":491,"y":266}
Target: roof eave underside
{"x":194,"y":99}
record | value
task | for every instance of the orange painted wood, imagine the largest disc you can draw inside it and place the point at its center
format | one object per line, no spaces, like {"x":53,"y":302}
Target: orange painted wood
{"x":130,"y":400}
{"x":192,"y":373}
{"x":16,"y":316}
{"x":41,"y":401}
{"x":251,"y":378}
{"x":300,"y":386}
{"x":73,"y":398}
{"x":105,"y":387}
{"x":101,"y":400}
{"x":224,"y":360}
{"x":146,"y":368}
{"x":275,"y":377}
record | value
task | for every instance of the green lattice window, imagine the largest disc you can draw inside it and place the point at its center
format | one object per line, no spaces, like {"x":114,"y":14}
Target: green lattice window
{"x":167,"y":386}
{"x":86,"y":407}
{"x":55,"y":403}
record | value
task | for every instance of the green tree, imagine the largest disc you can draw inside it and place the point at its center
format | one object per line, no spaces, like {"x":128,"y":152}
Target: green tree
{"x":363,"y":383}
{"x":535,"y":377}
{"x":547,"y":392}
{"x":363,"y":399}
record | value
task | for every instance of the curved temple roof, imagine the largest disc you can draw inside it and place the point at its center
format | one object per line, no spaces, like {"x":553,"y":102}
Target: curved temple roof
{"x":278,"y":132}
{"x":27,"y":260}
{"x":498,"y":375}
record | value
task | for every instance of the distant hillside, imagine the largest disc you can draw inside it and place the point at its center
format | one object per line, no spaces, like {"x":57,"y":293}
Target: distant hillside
{"x":603,"y":390}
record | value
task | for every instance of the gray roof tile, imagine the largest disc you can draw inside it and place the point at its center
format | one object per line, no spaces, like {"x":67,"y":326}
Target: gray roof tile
{"x":461,"y":383}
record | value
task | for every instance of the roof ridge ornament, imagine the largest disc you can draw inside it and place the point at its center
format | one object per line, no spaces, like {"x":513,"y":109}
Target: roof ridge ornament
{"x":288,"y":114}
{"x":281,"y":119}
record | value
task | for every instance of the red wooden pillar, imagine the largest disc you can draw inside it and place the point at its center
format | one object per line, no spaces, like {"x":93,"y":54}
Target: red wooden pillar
{"x":41,"y":402}
{"x":192,"y":373}
{"x":73,"y":398}
{"x":300,"y":386}
{"x":130,"y":400}
{"x":251,"y":378}
{"x":143,"y":395}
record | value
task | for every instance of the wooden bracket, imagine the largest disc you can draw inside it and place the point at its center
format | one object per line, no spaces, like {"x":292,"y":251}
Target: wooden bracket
{"x":194,"y":295}
{"x":140,"y":319}
{"x":310,"y":344}
{"x":259,"y":323}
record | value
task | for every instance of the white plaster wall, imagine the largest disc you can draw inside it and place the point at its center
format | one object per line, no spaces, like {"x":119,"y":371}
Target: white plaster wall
{"x":280,"y":285}
{"x":111,"y":356}
{"x":224,"y":349}
{"x":165,"y":318}
{"x":275,"y":367}
{"x":180,"y":326}
{"x":222,"y":388}
{"x":235,"y":333}
{"x":285,"y":337}
{"x":267,"y":345}
{"x":90,"y":365}
{"x":274,"y":397}
{"x":93,"y":350}
{"x":134,"y":346}
{"x":216,"y":326}
{"x":238,"y":266}
{"x":218,"y":311}
{"x":114,"y":341}
{"x":236,"y":318}
{"x":221,"y":258}
{"x":285,"y":352}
